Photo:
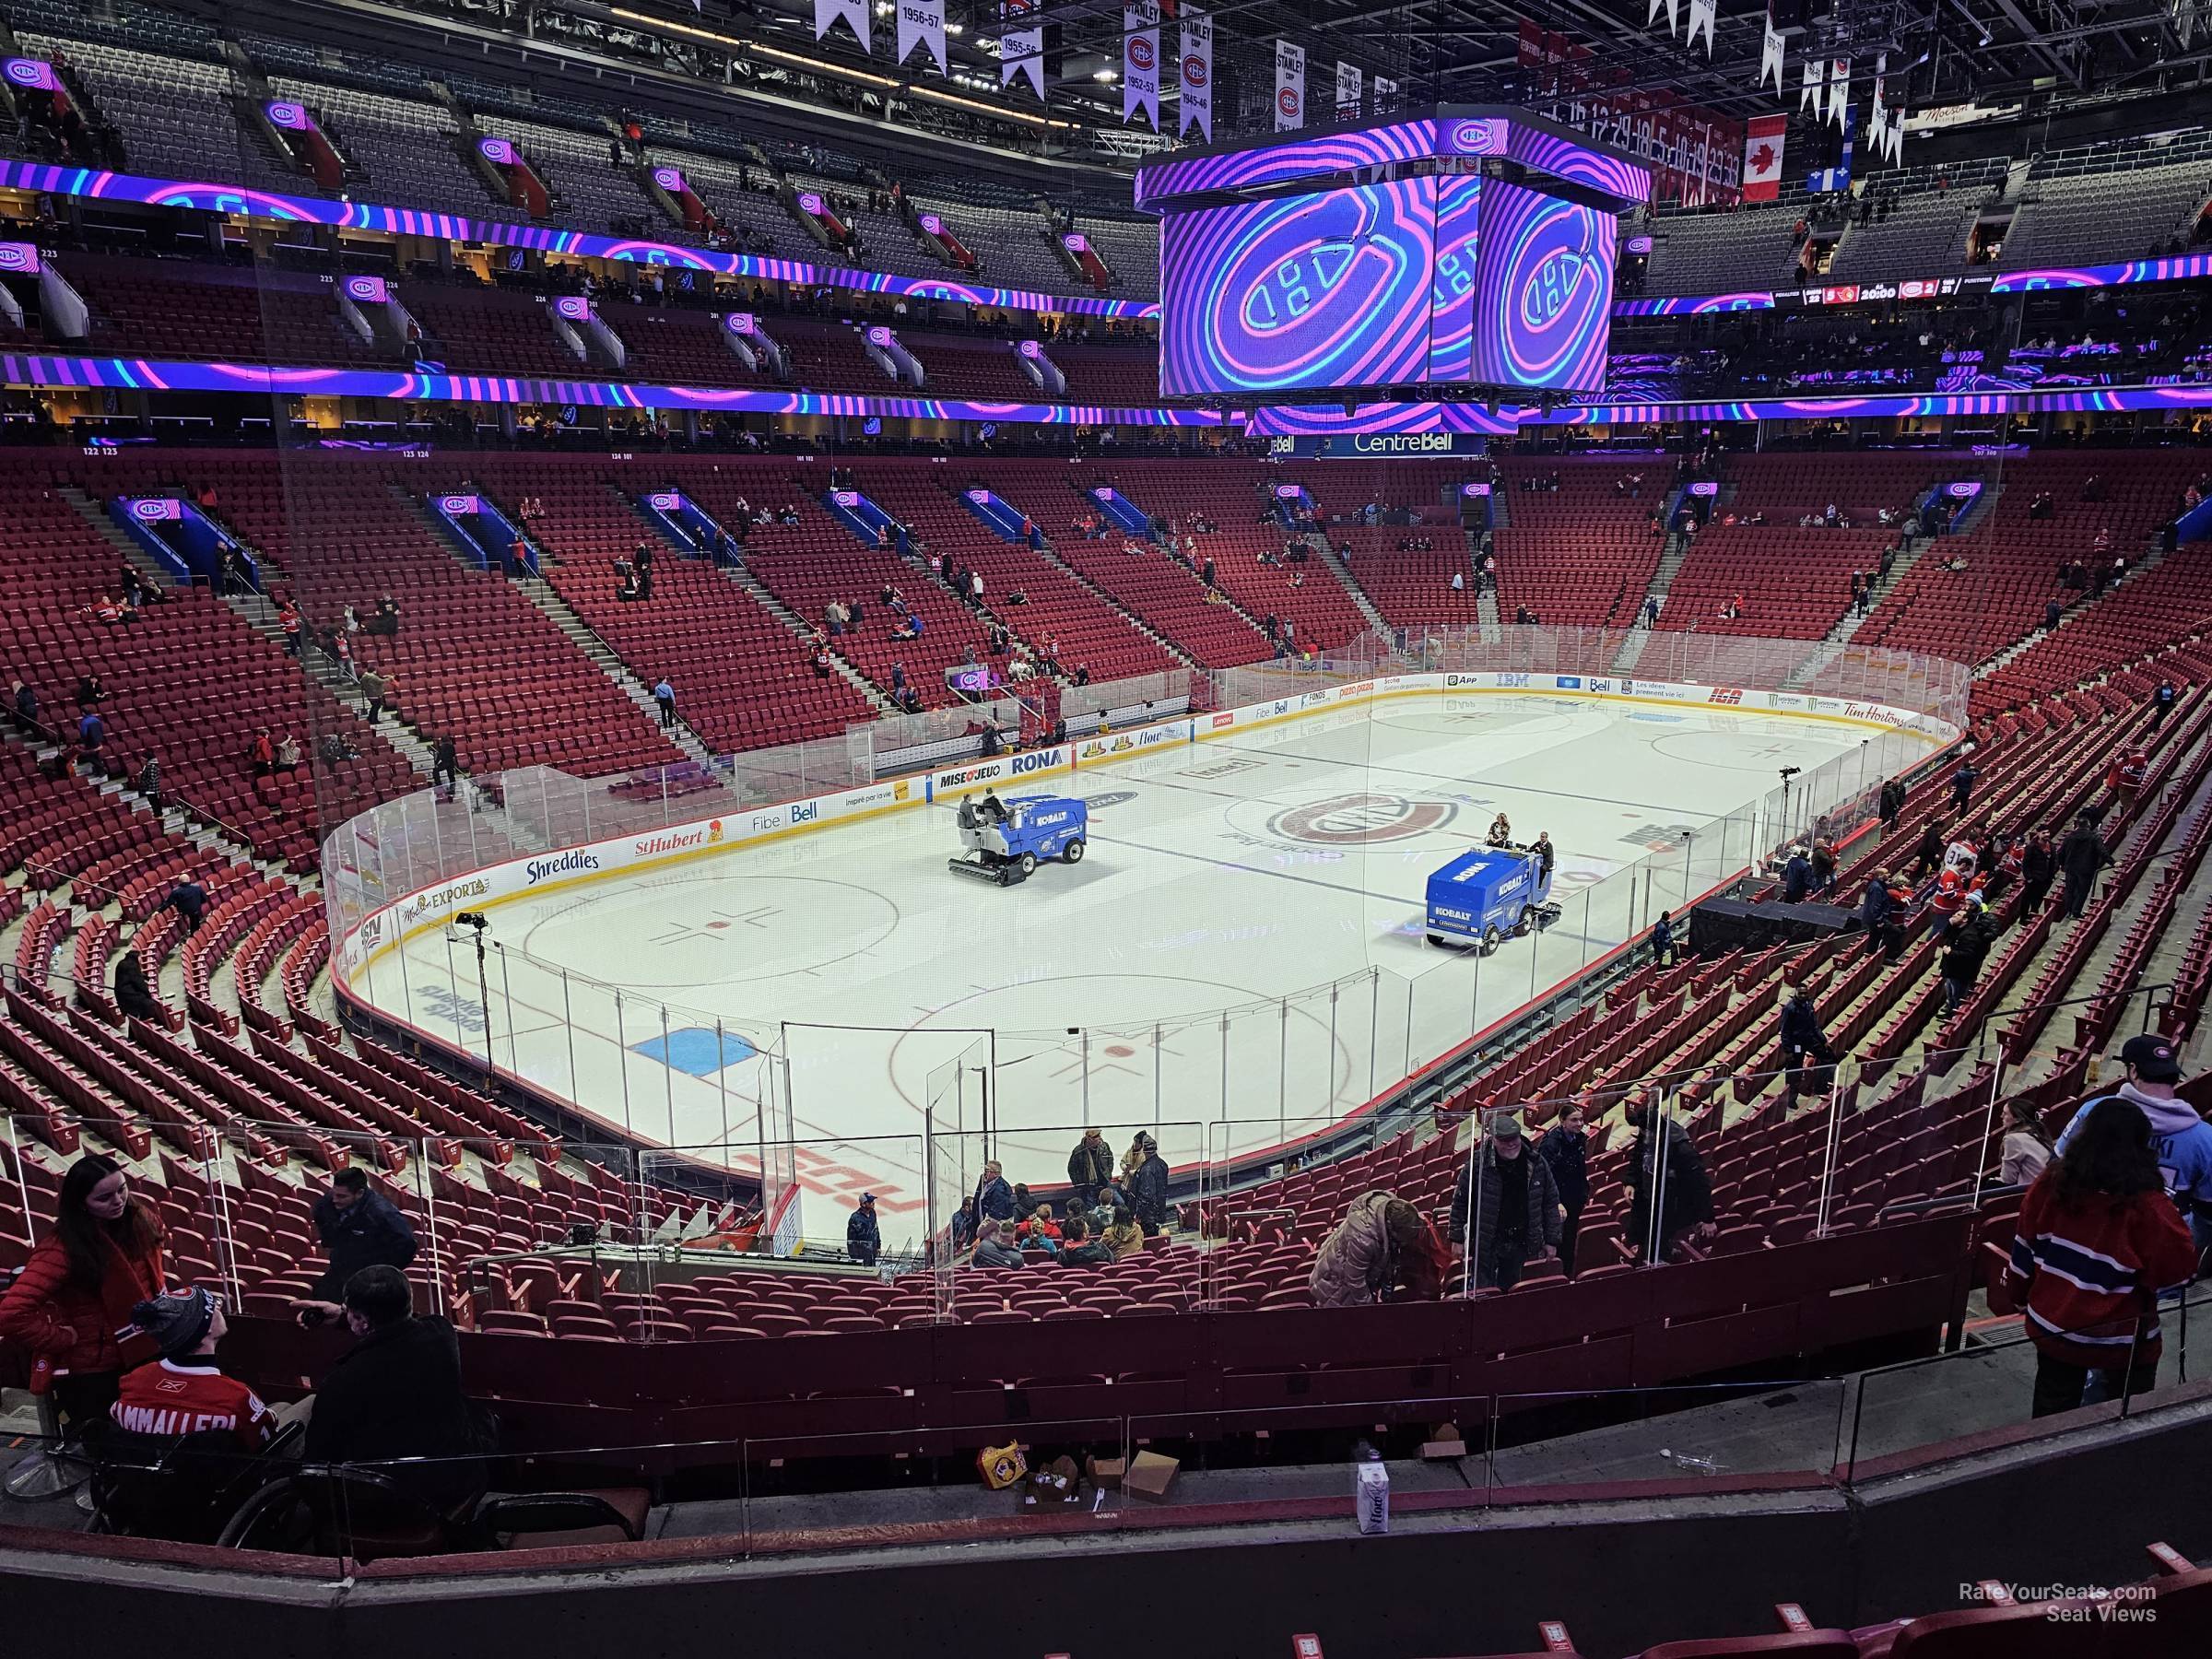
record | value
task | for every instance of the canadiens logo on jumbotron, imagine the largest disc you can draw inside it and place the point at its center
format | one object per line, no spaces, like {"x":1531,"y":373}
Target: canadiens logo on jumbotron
{"x":1361,"y":820}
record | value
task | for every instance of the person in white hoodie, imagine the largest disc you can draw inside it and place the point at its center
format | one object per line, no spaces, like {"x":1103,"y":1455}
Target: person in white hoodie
{"x":2179,"y":1138}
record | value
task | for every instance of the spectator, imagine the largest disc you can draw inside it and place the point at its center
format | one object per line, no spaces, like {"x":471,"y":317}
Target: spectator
{"x":1928,"y":855}
{"x":864,"y":1237}
{"x":1893,"y":803}
{"x":1516,"y":1206}
{"x":1123,"y":1236}
{"x":2039,"y":868}
{"x":1368,"y":1253}
{"x":359,"y":1228}
{"x":1805,"y":1054}
{"x":1968,"y":949}
{"x":189,"y":899}
{"x":2095,"y":1244}
{"x":149,"y":782}
{"x":1881,"y":908}
{"x":1664,"y":1161}
{"x":2080,"y":856}
{"x":964,"y":1222}
{"x":1823,"y":857}
{"x":1663,"y":939}
{"x":2161,"y":701}
{"x":1962,"y":785}
{"x":1042,"y":1230}
{"x":287,"y":753}
{"x":1091,"y":1166}
{"x":993,"y":1250}
{"x":91,"y":736}
{"x":72,"y":1304}
{"x":1146,"y":1181}
{"x":1796,"y":875}
{"x":261,"y":754}
{"x":186,"y":1390}
{"x":1078,"y":1249}
{"x":994,"y":1197}
{"x":91,"y":691}
{"x":132,"y":994}
{"x":396,"y":1393}
{"x":445,"y":763}
{"x":1565,"y":1151}
{"x":2179,"y":1139}
{"x":664,"y":698}
{"x":2026,"y":1151}
{"x":26,"y":705}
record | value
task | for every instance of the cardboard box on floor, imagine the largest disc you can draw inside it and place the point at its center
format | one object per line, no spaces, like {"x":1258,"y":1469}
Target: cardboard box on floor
{"x":1107,"y":1473}
{"x":1149,"y":1475}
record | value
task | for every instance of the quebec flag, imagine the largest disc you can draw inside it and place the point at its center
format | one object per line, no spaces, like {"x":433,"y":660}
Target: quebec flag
{"x":1836,"y":178}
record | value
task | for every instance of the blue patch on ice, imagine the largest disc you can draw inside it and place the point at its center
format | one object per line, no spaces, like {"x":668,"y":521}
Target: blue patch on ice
{"x":693,"y":1050}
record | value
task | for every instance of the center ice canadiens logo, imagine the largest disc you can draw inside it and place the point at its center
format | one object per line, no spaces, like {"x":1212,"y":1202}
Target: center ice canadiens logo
{"x":1361,"y":820}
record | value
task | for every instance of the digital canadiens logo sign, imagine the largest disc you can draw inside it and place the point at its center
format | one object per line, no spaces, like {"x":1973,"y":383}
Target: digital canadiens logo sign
{"x":1544,"y":292}
{"x":1323,"y":290}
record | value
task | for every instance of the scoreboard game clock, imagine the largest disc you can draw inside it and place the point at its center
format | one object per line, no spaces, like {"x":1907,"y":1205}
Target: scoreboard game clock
{"x":1464,"y":252}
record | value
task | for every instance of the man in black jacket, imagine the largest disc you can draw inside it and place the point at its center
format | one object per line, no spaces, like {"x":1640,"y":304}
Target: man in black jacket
{"x":864,"y":1235}
{"x":1148,"y":1184}
{"x":396,"y":1393}
{"x":1090,"y":1167}
{"x":1505,"y":1208}
{"x":359,"y":1228}
{"x":2080,"y":856}
{"x":1807,"y":1058}
{"x":1663,"y":1162}
{"x":1968,"y":950}
{"x":1885,"y":925}
{"x":1564,"y":1150}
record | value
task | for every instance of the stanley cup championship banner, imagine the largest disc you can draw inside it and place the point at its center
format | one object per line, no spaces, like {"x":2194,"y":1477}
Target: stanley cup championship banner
{"x":1695,"y":155}
{"x":922,"y":20}
{"x":1194,"y":81}
{"x":1289,"y":86}
{"x":855,"y":13}
{"x":1140,"y":60}
{"x":1020,"y":51}
{"x":1386,"y":95}
{"x":1348,"y":88}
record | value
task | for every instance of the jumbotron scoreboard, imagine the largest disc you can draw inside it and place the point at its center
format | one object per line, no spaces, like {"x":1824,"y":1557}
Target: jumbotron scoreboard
{"x":1462,"y":253}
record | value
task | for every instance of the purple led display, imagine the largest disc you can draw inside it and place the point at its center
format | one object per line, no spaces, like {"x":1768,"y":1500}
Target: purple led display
{"x":1451,"y":282}
{"x":1318,"y":157}
{"x":1324,"y":290}
{"x":879,"y":336}
{"x":1482,"y":135}
{"x":292,"y":117}
{"x":1544,"y":292}
{"x":1705,"y":487}
{"x":156,"y":510}
{"x":33,"y":74}
{"x":810,"y":203}
{"x":1075,"y":241}
{"x":19,"y":257}
{"x":367,"y":290}
{"x":1636,"y":244}
{"x":669,"y":179}
{"x":496,"y":151}
{"x":1029,"y":348}
{"x":931,"y":224}
{"x":1475,"y":490}
{"x":1563,"y":158}
{"x":665,"y":500}
{"x":457,"y":506}
{"x":574,"y":307}
{"x":1965,"y":489}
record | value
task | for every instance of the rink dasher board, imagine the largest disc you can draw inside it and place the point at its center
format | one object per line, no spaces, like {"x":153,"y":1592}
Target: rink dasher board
{"x":423,"y":909}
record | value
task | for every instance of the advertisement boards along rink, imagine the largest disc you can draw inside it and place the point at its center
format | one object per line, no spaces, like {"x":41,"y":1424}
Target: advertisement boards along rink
{"x":1237,"y":964}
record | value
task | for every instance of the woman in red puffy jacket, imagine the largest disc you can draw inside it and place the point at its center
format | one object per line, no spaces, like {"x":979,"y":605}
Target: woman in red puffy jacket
{"x":71,"y":1305}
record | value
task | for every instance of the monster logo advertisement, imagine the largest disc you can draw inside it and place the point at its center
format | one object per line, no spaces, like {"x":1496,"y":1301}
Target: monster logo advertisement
{"x":1326,"y":289}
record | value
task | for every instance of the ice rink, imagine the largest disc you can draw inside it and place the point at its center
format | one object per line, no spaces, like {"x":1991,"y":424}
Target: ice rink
{"x":1238,"y":962}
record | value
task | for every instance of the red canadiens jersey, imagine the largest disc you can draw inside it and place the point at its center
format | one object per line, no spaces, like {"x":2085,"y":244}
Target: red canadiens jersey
{"x":170,"y":1397}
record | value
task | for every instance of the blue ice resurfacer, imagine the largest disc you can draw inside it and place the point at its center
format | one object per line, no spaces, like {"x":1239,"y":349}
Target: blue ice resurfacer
{"x":1481,"y":897}
{"x":1005,"y":842}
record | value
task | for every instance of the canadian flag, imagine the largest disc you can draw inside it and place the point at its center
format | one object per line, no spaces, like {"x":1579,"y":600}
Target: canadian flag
{"x":1762,"y":157}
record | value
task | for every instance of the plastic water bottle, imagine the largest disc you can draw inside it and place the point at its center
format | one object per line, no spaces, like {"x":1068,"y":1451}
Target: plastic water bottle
{"x":1690,"y":1460}
{"x":1370,"y":1485}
